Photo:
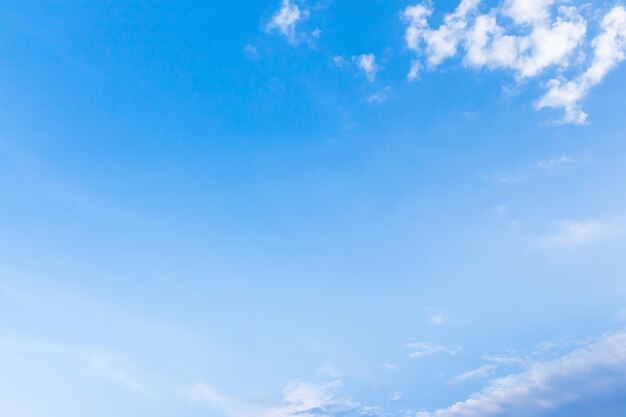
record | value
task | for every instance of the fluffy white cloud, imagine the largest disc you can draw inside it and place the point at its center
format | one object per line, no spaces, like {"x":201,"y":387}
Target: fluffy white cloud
{"x":609,"y":50}
{"x":527,"y":37}
{"x":528,"y":11}
{"x":488,"y":44}
{"x":286,"y":19}
{"x":367,"y":64}
{"x":417,"y":16}
{"x":546,"y":388}
{"x":440,"y":43}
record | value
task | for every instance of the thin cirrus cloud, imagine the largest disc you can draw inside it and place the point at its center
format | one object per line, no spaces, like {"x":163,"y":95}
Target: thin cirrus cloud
{"x":528,"y":38}
{"x":581,"y":379}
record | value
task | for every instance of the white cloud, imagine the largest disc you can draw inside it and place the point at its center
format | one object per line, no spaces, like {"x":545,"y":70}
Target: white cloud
{"x":414,"y":72}
{"x":286,"y":19}
{"x":305,"y":399}
{"x":367,"y":63}
{"x":609,"y":50}
{"x":527,"y":37}
{"x":439,"y":43}
{"x":545,"y":387}
{"x":528,"y":11}
{"x":577,"y":233}
{"x":488,"y":44}
{"x":547,"y":44}
{"x":426,"y":349}
{"x":417,"y":16}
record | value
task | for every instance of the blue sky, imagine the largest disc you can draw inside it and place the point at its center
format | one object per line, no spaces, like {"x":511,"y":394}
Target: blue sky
{"x":312,"y":208}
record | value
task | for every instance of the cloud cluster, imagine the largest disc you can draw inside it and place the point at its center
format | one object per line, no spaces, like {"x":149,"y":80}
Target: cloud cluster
{"x":592,"y":375}
{"x":527,"y":37}
{"x":545,"y":388}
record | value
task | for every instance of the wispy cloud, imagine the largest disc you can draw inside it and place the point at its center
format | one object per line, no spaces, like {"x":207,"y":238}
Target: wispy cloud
{"x":481,"y":372}
{"x":421,"y":349}
{"x":108,"y":364}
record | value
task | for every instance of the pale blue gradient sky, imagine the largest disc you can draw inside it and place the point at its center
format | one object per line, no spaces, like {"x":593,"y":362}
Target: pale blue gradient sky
{"x":202,"y":216}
